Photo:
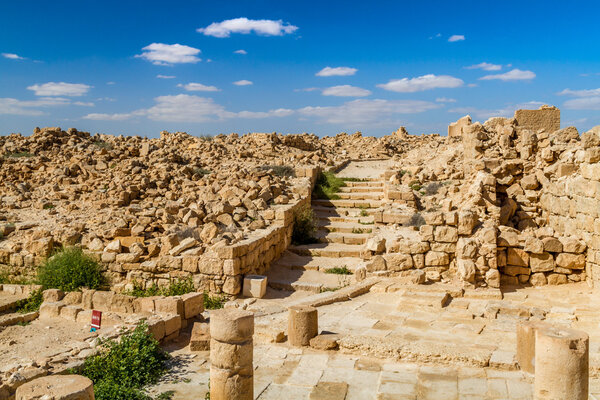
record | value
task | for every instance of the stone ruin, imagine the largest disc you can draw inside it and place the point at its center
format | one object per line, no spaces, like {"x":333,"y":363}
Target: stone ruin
{"x":490,"y":209}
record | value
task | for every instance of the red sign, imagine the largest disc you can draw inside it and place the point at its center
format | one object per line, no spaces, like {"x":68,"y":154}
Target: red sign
{"x":96,"y":319}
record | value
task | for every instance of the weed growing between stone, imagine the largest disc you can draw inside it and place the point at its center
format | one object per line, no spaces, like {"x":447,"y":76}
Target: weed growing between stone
{"x":328,"y":185}
{"x":339,"y":271}
{"x":176,"y":287}
{"x":214,"y":302}
{"x":32,"y":303}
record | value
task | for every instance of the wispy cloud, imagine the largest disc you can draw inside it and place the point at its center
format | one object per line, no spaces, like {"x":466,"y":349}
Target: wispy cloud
{"x":60,"y":89}
{"x":13,"y":106}
{"x":12,"y":56}
{"x":240,"y":51}
{"x":346,"y":91}
{"x":485,"y":66}
{"x":169,"y":54}
{"x":336,"y":71}
{"x":309,"y":89}
{"x":264,"y":27}
{"x":363,"y":111}
{"x":198,"y":87}
{"x":445,"y":100}
{"x":425,"y":82}
{"x":512,"y":75}
{"x":159,"y":76}
{"x":583,"y":103}
{"x":580,"y":93}
{"x":507,"y":111}
{"x":456,"y":38}
{"x":243,"y":82}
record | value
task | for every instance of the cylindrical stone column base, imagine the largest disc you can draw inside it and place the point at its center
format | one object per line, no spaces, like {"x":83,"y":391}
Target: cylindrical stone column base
{"x":303,"y":325}
{"x":561,"y":364}
{"x":57,"y":387}
{"x":526,"y":344}
{"x":231,"y":355}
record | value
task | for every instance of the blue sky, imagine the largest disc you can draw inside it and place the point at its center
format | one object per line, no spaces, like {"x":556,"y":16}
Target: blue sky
{"x":139,"y":67}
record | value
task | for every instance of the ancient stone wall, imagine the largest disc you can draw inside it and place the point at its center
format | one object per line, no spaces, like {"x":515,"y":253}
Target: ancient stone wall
{"x":546,"y":118}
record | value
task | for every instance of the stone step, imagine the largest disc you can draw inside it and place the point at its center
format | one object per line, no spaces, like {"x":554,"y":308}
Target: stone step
{"x":344,"y":225}
{"x":346,"y":203}
{"x":309,"y":280}
{"x":361,"y":196}
{"x":327,"y":250}
{"x":294,"y":261}
{"x":360,"y":213}
{"x":341,"y":237}
{"x":373,"y":183}
{"x":358,"y":189}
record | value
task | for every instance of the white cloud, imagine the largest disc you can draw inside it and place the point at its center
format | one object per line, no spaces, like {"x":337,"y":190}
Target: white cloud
{"x":107,"y":117}
{"x":445,"y":100}
{"x":159,"y":76}
{"x":583,"y":103}
{"x":280,"y":112}
{"x":28,"y":107}
{"x":188,"y":108}
{"x":580,"y":93}
{"x":346,"y":91}
{"x":110,"y":83}
{"x":12,"y":56}
{"x":60,"y":89}
{"x":84,"y":103}
{"x":362,"y":111}
{"x":456,"y":38}
{"x":309,"y":89}
{"x":265,"y":27}
{"x":512,"y":75}
{"x":243,"y":82}
{"x":168,"y":54}
{"x":198,"y":87}
{"x":486,"y":66}
{"x":240,"y":51}
{"x":336,"y":71}
{"x":425,"y":82}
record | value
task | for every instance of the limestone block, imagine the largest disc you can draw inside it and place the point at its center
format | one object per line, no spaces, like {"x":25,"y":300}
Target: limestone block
{"x":232,"y":285}
{"x":572,"y":245}
{"x":70,"y":312}
{"x":552,"y":245}
{"x":526,"y":344}
{"x":168,"y":305}
{"x":50,"y":310}
{"x":467,"y":221}
{"x":303,"y":325}
{"x":538,"y":279}
{"x":556,"y":279}
{"x":466,"y":270}
{"x":436,"y":259}
{"x":571,"y":261}
{"x":224,"y":386}
{"x":492,"y":278}
{"x":445,"y":234}
{"x":533,"y":245}
{"x":102,"y":300}
{"x":561,"y":364}
{"x":398,"y":262}
{"x":518,"y":257}
{"x":172,"y":323}
{"x":57,"y":387}
{"x":541,"y":262}
{"x":53,"y":295}
{"x":200,"y":338}
{"x":156,"y":328}
{"x":193,"y":304}
{"x":236,"y":357}
{"x":255,"y":286}
{"x":231,"y":325}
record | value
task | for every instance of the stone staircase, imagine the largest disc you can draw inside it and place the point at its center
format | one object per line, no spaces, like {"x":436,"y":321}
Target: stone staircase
{"x":343,"y":227}
{"x":8,"y":304}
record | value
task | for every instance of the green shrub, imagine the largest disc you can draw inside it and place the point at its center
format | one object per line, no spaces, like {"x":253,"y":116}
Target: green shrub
{"x":339,"y":271}
{"x":280,"y":170}
{"x":363,"y":211}
{"x":176,"y":287}
{"x":432,"y":188}
{"x":69,"y":270}
{"x":415,"y":185}
{"x":328,"y":185}
{"x":123,"y":367}
{"x":214,"y":302}
{"x":18,"y":154}
{"x":304,"y":226}
{"x":355,"y":179}
{"x":32,"y":303}
{"x":102,"y":144}
{"x":200,"y":171}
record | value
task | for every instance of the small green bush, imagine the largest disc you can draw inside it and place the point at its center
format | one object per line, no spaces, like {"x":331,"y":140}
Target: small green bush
{"x":415,"y":185}
{"x":200,"y":171}
{"x":176,"y":287}
{"x":102,"y":144}
{"x":364,"y":212}
{"x":328,"y":185}
{"x":69,"y":270}
{"x":432,"y":188}
{"x":30,"y":304}
{"x":304,"y":226}
{"x":18,"y":154}
{"x":280,"y":170}
{"x":214,"y":302}
{"x":123,"y":367}
{"x":339,"y":271}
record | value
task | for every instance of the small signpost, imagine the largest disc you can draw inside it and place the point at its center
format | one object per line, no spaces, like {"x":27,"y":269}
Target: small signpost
{"x":96,"y":320}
